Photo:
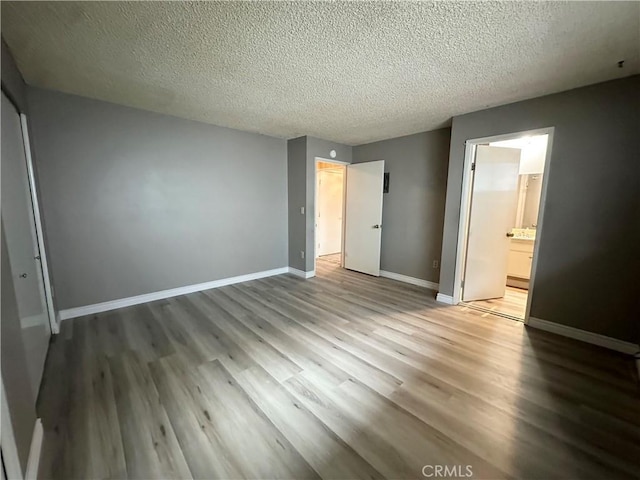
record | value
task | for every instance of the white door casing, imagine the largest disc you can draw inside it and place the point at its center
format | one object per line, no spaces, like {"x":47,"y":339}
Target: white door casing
{"x":39,"y":231}
{"x":363,"y":226}
{"x":493,"y":210}
{"x":22,"y":245}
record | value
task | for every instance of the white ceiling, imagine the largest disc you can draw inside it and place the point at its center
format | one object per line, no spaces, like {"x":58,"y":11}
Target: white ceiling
{"x":351,"y":72}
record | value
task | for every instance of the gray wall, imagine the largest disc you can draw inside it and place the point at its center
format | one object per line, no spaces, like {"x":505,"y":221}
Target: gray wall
{"x":136,"y":202}
{"x":297,"y":184}
{"x":301,"y":154}
{"x":413,"y":210}
{"x":588,"y":264}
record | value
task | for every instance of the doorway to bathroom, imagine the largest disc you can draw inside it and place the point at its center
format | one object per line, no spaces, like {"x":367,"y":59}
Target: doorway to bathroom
{"x":329,"y":211}
{"x":501,"y":221}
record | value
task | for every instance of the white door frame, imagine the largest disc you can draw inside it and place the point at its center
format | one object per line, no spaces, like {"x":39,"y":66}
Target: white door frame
{"x":465,"y":203}
{"x":53,"y":320}
{"x":315,"y":203}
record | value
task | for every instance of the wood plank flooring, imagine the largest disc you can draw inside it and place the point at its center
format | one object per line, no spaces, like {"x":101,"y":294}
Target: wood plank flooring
{"x":514,"y":303}
{"x":340,"y":376}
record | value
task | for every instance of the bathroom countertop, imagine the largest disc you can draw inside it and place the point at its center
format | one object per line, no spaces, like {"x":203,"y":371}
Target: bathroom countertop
{"x":527,"y":234}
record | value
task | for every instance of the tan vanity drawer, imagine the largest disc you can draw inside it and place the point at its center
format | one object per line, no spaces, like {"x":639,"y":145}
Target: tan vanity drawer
{"x":522,"y":246}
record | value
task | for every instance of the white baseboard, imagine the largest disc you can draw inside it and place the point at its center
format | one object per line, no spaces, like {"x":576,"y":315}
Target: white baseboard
{"x":35,"y":320}
{"x":412,"y":280}
{"x":301,"y":274}
{"x":173,"y":292}
{"x":33,"y":462}
{"x":442,"y":298}
{"x":583,"y":335}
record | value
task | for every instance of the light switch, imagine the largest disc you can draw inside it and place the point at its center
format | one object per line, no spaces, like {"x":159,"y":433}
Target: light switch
{"x":301,"y":210}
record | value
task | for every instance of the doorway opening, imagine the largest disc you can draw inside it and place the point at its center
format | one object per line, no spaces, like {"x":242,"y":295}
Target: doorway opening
{"x":501,"y":221}
{"x":329,"y":211}
{"x":347,"y":227}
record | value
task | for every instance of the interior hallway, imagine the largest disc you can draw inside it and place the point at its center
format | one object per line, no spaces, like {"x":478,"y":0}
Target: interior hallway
{"x":340,"y":376}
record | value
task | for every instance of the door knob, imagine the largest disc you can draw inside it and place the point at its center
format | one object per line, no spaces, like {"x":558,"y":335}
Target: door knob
{"x":377,"y":226}
{"x":510,"y":235}
{"x":24,"y":275}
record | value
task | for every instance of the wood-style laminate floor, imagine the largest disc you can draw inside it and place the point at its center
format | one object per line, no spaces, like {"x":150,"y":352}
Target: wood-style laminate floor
{"x":340,"y":376}
{"x":514,"y":303}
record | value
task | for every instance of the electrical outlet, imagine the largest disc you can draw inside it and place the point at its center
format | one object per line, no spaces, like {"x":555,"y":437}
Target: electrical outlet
{"x":435,"y":264}
{"x":301,"y":253}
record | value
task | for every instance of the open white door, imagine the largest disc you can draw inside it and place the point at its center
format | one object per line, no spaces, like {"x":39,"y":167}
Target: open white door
{"x":493,"y":211}
{"x":363,"y":232}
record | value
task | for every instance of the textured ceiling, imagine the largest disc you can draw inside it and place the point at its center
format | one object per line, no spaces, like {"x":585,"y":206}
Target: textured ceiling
{"x":350,"y":72}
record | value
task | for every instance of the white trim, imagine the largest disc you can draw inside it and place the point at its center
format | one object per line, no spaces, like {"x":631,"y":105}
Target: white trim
{"x":407,"y":279}
{"x":344,"y":165}
{"x":33,"y":463}
{"x":465,"y":199}
{"x":173,"y":292}
{"x":583,"y":335}
{"x":55,"y":328}
{"x":470,"y":146}
{"x":301,"y":274}
{"x":539,"y":225}
{"x":442,"y":298}
{"x":34,"y":320}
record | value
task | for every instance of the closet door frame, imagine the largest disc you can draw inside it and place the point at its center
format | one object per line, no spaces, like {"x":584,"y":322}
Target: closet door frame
{"x":54,"y":323}
{"x":48,"y":291}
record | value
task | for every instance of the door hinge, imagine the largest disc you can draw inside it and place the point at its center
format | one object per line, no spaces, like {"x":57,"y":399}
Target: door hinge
{"x":473,"y":166}
{"x":462,"y":284}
